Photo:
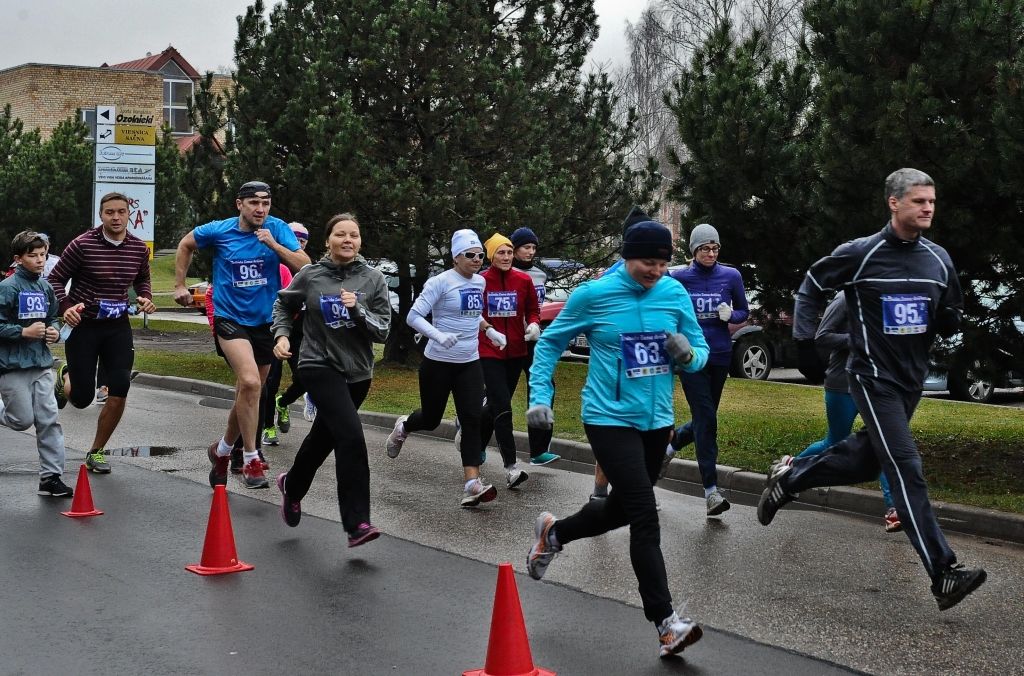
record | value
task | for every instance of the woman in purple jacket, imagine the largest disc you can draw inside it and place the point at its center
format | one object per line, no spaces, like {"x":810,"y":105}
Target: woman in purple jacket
{"x":716,"y":291}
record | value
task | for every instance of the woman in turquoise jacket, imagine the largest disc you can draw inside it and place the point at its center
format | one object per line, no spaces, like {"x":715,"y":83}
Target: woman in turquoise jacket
{"x":641,"y":328}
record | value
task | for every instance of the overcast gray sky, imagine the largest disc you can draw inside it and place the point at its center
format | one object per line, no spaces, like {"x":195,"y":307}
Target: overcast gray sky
{"x":91,"y":32}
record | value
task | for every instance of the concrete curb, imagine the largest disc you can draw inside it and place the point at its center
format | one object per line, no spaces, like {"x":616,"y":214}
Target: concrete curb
{"x":683,"y":476}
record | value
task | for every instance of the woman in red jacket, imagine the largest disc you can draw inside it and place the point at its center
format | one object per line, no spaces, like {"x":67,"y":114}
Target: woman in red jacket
{"x":511,"y":310}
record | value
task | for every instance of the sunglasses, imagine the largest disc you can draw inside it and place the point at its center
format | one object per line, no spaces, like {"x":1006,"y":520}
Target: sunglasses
{"x":469,"y":256}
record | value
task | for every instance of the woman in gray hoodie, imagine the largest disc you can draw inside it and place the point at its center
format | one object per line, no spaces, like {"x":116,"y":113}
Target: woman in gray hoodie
{"x":347,"y":310}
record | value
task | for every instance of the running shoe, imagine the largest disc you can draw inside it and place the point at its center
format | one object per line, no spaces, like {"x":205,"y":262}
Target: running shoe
{"x":219,"y":472}
{"x":58,"y":386}
{"x":263,"y":459}
{"x":717,"y":504}
{"x":53,"y":487}
{"x":393,"y":445}
{"x":892,"y":521}
{"x":236,"y":460}
{"x":309,"y":412}
{"x":542,"y":551}
{"x":595,"y":496}
{"x":363,"y":534}
{"x":544,"y":458}
{"x":954,"y":583}
{"x":675,"y":633}
{"x":666,"y":461}
{"x":96,"y":461}
{"x":284,"y":420}
{"x":291,"y":510}
{"x":784,"y":460}
{"x":101,"y":394}
{"x":478,"y":491}
{"x":270,"y":436}
{"x":514,"y":477}
{"x":253,"y":475}
{"x":774,"y":495}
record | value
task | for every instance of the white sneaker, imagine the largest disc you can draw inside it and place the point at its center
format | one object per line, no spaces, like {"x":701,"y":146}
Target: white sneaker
{"x":542,"y":552}
{"x":309,"y":411}
{"x":514,"y":477}
{"x":101,"y":395}
{"x":478,"y":491}
{"x":675,"y":633}
{"x":397,"y":437}
{"x":717,"y":504}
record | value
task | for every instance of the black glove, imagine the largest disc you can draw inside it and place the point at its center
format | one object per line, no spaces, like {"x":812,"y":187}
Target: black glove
{"x":947,"y":321}
{"x":808,"y":361}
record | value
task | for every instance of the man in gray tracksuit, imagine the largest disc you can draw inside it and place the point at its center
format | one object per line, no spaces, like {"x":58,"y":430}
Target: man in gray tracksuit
{"x":901,"y":289}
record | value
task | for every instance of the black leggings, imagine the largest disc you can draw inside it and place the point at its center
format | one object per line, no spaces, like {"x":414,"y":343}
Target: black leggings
{"x":501,"y":376}
{"x":631,"y":460}
{"x":540,"y":438}
{"x":465,"y":383}
{"x":337,"y":428}
{"x":106,"y":341}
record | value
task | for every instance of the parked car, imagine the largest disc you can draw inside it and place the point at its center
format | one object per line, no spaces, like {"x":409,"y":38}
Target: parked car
{"x":976,"y":380}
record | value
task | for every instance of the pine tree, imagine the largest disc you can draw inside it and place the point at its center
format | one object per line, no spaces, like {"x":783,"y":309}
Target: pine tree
{"x":426,"y":117}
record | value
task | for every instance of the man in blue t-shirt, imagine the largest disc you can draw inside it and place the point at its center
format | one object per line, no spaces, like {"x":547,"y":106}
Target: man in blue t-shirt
{"x":247,"y":252}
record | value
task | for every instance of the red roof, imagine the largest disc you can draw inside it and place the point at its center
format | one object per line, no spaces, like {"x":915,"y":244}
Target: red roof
{"x":157,"y":61}
{"x":185,"y":143}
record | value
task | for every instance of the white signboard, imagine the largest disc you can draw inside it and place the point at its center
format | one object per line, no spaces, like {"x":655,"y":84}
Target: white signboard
{"x":125,"y":154}
{"x":140,"y":206}
{"x":125,"y":173}
{"x":106,"y":114}
{"x":105,"y":133}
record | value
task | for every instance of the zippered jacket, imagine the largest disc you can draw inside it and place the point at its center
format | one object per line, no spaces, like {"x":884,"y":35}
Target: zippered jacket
{"x":709,"y":287}
{"x":895,"y":289}
{"x":335,"y":336}
{"x":510,"y":304}
{"x":630,"y":379}
{"x":25,"y":298}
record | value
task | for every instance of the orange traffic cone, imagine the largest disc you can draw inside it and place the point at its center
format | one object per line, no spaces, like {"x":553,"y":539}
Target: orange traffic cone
{"x":219,"y":555}
{"x":508,"y":650}
{"x":81,"y":504}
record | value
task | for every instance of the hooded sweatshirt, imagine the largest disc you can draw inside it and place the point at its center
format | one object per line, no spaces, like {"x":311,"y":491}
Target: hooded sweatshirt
{"x":335,"y":336}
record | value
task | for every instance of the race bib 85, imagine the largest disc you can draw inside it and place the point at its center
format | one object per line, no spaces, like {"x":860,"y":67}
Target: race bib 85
{"x":471,"y":302}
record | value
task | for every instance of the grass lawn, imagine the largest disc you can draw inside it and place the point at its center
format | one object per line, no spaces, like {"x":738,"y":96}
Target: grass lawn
{"x":162,"y":278}
{"x":971,"y":453}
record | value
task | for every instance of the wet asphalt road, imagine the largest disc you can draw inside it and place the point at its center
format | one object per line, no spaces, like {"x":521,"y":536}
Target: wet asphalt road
{"x":822,"y":585}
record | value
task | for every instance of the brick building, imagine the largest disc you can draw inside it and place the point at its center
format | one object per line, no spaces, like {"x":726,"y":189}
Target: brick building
{"x":42,"y":95}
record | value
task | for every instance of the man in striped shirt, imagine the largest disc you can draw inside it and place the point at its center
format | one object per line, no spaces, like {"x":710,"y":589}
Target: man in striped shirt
{"x":100,"y":264}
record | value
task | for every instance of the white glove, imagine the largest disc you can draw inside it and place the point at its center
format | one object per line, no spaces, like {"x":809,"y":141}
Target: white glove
{"x":446,"y":340}
{"x":496,"y":337}
{"x":724,"y":312}
{"x":540,"y":417}
{"x":678,"y":347}
{"x":532,"y":332}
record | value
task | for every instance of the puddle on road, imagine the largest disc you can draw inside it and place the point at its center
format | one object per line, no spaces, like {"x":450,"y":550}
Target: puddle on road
{"x":141,"y":451}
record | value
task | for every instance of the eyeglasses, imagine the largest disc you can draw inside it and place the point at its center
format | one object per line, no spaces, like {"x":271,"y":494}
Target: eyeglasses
{"x":469,"y":256}
{"x":709,"y":248}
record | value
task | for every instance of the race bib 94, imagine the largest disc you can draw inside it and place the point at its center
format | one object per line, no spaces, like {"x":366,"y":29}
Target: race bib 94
{"x":904,"y":314}
{"x":335,"y":314}
{"x":643,"y":354}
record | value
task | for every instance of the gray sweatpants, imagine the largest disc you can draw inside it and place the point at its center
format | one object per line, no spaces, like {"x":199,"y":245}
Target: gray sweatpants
{"x":28,"y":398}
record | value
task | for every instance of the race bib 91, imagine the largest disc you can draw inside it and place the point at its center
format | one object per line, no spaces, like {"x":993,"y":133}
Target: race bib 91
{"x":471,"y":302}
{"x":904,"y":314}
{"x":502,"y":303}
{"x":335,"y":314}
{"x":644,"y":354}
{"x":111,"y":309}
{"x":32,"y":305}
{"x":248,"y":272}
{"x":706,"y":304}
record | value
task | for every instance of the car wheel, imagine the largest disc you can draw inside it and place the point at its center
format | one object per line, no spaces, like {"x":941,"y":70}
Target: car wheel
{"x":751,"y":358}
{"x":966,"y":385}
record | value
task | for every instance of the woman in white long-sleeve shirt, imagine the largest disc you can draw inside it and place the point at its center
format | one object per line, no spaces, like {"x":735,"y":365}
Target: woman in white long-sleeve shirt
{"x":451,"y":360}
